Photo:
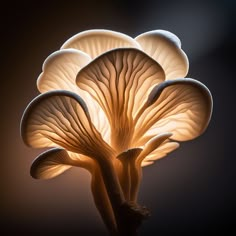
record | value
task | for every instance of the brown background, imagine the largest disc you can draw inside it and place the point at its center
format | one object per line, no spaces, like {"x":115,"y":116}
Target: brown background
{"x":192,"y":191}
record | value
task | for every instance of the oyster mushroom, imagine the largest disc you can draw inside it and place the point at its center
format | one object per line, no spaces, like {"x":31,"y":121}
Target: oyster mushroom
{"x":112,"y":105}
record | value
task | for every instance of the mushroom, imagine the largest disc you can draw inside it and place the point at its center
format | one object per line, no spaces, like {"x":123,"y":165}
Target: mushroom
{"x":112,"y":104}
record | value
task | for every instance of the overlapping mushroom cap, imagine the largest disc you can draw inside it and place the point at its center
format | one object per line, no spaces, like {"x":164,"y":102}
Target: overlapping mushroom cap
{"x":106,"y":95}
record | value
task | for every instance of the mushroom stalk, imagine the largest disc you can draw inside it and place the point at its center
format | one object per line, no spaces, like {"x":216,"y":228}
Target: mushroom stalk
{"x":113,"y":188}
{"x":102,"y":201}
{"x":128,"y":214}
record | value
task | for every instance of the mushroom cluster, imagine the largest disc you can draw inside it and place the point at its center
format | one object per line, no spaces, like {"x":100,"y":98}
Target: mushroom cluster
{"x":113,"y":104}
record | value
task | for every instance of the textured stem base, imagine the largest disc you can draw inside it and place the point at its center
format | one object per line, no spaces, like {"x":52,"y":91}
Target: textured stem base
{"x":132,"y":216}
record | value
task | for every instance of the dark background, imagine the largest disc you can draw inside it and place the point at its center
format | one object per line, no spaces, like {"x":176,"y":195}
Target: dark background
{"x":190,"y":192}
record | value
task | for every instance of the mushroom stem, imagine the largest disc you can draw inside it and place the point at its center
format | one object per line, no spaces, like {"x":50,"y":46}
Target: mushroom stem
{"x":114,"y":191}
{"x":125,"y":180}
{"x":102,"y":201}
{"x":128,"y":215}
{"x":111,"y":182}
{"x":136,"y":174}
{"x":130,"y":176}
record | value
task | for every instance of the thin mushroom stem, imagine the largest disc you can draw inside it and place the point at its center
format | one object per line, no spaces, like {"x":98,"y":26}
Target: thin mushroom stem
{"x":113,"y":188}
{"x":129,"y":215}
{"x":125,"y":180}
{"x":102,"y":201}
{"x":130,"y":174}
{"x":100,"y":195}
{"x":136,"y":173}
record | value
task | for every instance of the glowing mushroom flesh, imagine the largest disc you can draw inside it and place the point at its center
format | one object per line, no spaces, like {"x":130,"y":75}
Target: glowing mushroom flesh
{"x":113,"y":104}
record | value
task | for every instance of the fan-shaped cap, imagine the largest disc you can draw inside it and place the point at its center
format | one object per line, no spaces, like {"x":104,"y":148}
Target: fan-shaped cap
{"x":165,"y":48}
{"x":120,"y":81}
{"x":60,"y":69}
{"x":61,"y":118}
{"x":182,"y":107}
{"x":96,"y":42}
{"x":50,"y":164}
{"x":59,"y":73}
